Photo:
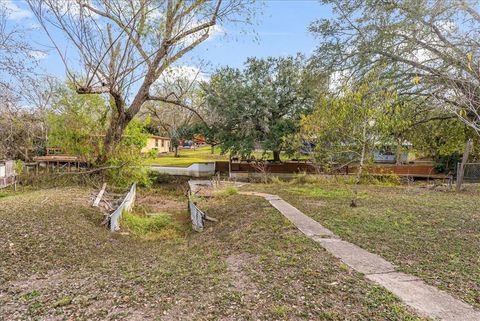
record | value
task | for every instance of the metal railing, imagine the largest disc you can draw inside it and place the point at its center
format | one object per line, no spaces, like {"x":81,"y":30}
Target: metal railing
{"x":126,"y":205}
{"x":197,"y":216}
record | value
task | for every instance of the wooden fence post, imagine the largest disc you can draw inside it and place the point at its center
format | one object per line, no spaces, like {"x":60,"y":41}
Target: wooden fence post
{"x":461,"y":168}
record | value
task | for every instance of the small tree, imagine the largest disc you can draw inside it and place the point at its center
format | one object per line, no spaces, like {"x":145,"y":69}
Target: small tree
{"x":177,"y":119}
{"x":76,"y":123}
{"x":174,"y":122}
{"x":430,"y":47}
{"x":345,"y":129}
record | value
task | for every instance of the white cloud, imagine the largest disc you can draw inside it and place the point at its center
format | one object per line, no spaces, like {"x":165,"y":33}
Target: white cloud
{"x":73,"y":9}
{"x":15,"y":12}
{"x":38,"y":55}
{"x":190,"y":73}
{"x":214,"y":31}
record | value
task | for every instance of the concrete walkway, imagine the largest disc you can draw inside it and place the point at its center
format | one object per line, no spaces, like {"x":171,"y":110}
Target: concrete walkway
{"x":426,"y":300}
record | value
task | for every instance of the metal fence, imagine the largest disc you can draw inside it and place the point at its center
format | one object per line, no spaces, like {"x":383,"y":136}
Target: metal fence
{"x":472,"y":172}
{"x":196,"y":214}
{"x":126,"y":205}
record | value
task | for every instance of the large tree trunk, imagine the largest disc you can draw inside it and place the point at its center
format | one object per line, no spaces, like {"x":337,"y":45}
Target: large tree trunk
{"x":212,"y":149}
{"x":276,"y":156}
{"x":176,"y":151}
{"x":113,"y":137}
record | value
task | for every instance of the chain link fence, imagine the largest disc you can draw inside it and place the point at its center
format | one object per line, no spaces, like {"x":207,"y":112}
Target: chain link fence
{"x":472,"y":172}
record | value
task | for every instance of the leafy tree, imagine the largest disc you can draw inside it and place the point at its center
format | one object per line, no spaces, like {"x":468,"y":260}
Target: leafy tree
{"x":77,"y":122}
{"x":124,"y":47}
{"x":345,"y":129}
{"x":260,"y":105}
{"x":443,"y":141}
{"x":430,"y":48}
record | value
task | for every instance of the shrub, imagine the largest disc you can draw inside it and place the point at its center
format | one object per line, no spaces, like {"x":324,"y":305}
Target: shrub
{"x":19,"y":166}
{"x":152,"y":154}
{"x":381,"y":180}
{"x":127,"y":163}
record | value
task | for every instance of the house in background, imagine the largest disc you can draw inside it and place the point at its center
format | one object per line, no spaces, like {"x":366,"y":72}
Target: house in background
{"x":391,"y":154}
{"x":159,"y":143}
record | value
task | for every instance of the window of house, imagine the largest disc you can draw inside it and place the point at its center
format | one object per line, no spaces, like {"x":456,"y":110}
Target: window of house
{"x":163,"y":143}
{"x":156,"y":142}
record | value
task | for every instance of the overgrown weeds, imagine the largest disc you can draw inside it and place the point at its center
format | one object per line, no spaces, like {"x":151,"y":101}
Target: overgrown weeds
{"x":227,"y":191}
{"x":159,"y":226}
{"x":388,"y":180}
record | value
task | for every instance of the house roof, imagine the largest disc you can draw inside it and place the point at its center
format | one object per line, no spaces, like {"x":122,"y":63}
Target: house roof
{"x":149,"y":136}
{"x":159,"y":137}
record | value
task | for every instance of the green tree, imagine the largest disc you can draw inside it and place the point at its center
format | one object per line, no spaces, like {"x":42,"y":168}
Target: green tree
{"x":260,"y":105}
{"x":124,"y":47}
{"x":430,"y":49}
{"x":76,"y":123}
{"x":346,"y":128}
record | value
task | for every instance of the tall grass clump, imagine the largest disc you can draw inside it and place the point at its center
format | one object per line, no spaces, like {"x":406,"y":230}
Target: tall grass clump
{"x":228,"y":191}
{"x":158,"y":226}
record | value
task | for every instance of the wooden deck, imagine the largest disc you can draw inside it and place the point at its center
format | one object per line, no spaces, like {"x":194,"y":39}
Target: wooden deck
{"x":56,"y":158}
{"x":56,"y":162}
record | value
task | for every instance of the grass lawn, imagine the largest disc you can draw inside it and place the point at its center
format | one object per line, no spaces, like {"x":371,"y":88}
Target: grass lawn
{"x":200,"y":155}
{"x":432,"y":234}
{"x":187,"y":157}
{"x":58,"y":262}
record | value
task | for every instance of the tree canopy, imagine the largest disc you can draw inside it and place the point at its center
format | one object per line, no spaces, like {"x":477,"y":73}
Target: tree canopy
{"x":260,"y":106}
{"x":428,"y":48}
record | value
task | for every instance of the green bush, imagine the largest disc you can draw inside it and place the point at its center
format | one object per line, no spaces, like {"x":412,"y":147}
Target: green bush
{"x":19,"y":166}
{"x":127,"y":163}
{"x":381,"y":180}
{"x":447,"y":163}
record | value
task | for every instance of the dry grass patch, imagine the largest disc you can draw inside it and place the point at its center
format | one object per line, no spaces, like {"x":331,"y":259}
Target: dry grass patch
{"x":429,"y":233}
{"x":58,"y":262}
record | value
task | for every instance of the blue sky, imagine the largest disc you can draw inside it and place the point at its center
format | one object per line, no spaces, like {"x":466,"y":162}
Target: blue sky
{"x":281,"y":29}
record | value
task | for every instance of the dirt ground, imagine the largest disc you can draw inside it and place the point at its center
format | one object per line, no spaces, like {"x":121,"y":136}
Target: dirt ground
{"x":57,"y":262}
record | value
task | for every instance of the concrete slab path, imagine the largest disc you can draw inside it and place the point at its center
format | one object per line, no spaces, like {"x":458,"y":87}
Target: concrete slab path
{"x":426,"y":300}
